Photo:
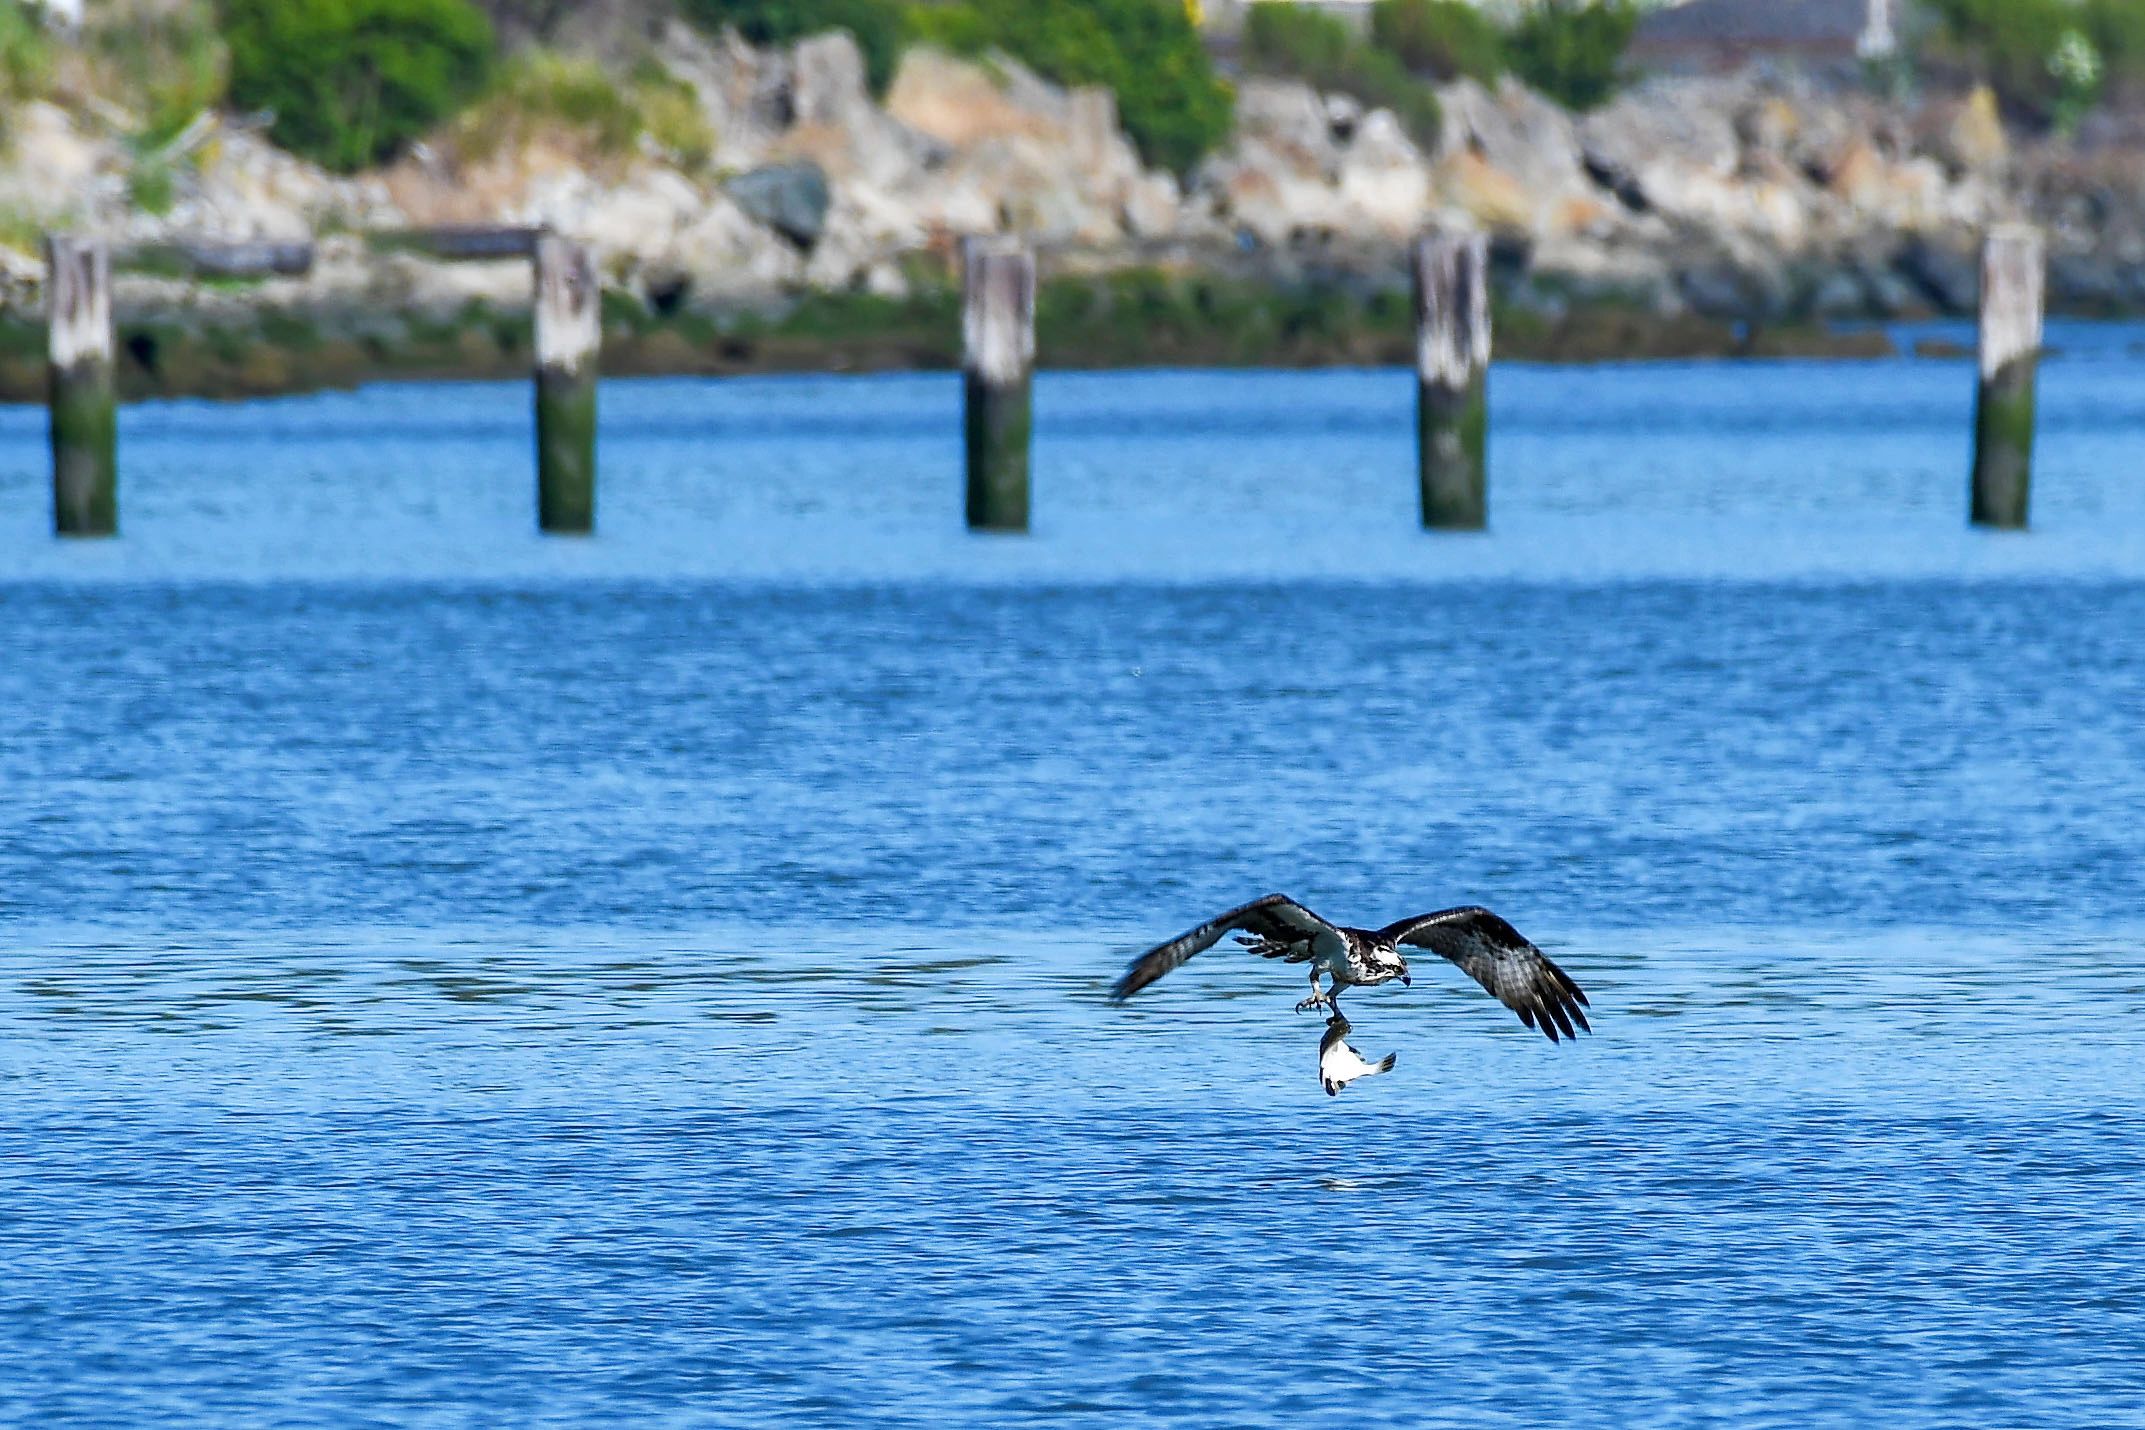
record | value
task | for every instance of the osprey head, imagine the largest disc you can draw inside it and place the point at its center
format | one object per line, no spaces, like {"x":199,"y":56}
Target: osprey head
{"x":1388,"y":960}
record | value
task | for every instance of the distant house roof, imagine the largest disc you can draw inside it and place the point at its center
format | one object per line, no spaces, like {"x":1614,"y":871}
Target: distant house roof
{"x":1732,"y":31}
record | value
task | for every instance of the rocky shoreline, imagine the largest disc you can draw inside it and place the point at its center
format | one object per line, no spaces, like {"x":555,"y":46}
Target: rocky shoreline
{"x":1761,"y":213}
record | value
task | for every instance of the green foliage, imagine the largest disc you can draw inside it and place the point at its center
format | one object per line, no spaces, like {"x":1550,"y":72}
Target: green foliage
{"x":1147,"y":51}
{"x":166,"y":63}
{"x":1169,"y":99}
{"x":351,"y":81}
{"x":152,"y":187}
{"x":25,"y":57}
{"x":542,"y":89}
{"x":1440,"y":38}
{"x":670,"y":114}
{"x":2010,"y":43}
{"x":21,"y":231}
{"x":2048,"y":59}
{"x":2078,"y":70}
{"x":2117,"y":27}
{"x":1143,"y":317}
{"x":577,"y":101}
{"x":1571,"y":50}
{"x":876,"y":25}
{"x":1322,"y":51}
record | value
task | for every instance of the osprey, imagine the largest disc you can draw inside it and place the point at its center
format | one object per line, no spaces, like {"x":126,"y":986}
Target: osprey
{"x":1486,"y":948}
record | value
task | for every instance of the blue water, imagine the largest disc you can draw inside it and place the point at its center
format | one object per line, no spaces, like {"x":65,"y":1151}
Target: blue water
{"x":451,"y":978}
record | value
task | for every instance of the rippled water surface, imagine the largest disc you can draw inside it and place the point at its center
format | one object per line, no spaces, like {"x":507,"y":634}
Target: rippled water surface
{"x":451,"y":978}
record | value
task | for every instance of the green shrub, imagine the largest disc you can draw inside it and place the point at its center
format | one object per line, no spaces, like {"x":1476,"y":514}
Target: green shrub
{"x":539,"y":89}
{"x":1572,"y":50}
{"x":2046,"y":58}
{"x":578,"y":99}
{"x":2009,"y":43}
{"x":2118,"y":28}
{"x":671,"y":115}
{"x":152,"y":187}
{"x":1323,"y":52}
{"x":25,"y":58}
{"x":1172,"y":104}
{"x":875,"y":24}
{"x":1441,"y":38}
{"x":352,"y":81}
{"x":165,"y":62}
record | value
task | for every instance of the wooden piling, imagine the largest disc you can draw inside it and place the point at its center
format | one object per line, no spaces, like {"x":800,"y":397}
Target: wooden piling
{"x":85,"y":422}
{"x":2013,"y":270}
{"x":1452,"y":362}
{"x":569,"y":336}
{"x":998,"y":338}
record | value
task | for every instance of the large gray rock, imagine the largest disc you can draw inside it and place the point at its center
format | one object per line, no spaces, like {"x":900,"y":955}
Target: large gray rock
{"x":744,"y":92}
{"x":1384,"y":184}
{"x":1838,"y":294}
{"x":1153,"y":207}
{"x":792,"y":199}
{"x":1512,"y":159}
{"x":1022,"y":154}
{"x":833,"y":122}
{"x":1732,"y":286}
{"x":1514,"y":130}
{"x":1263,"y":192}
{"x":1947,"y":272}
{"x":1664,"y":146}
{"x":827,"y":83}
{"x":1289,"y":118}
{"x":2089,"y":281}
{"x":961,"y":102}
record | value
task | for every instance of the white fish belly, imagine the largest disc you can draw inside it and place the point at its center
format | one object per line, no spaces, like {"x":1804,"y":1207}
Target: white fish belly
{"x":1340,"y":1065}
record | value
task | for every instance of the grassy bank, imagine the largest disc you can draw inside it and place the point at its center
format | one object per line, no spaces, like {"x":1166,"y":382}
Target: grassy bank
{"x":1139,"y":318}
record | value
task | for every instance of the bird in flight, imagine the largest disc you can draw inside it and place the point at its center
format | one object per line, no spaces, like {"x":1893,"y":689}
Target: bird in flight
{"x":1339,"y":1064}
{"x":1484,"y":946}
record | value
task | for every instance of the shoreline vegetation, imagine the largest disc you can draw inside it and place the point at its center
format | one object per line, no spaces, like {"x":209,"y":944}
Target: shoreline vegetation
{"x":1125,"y":319}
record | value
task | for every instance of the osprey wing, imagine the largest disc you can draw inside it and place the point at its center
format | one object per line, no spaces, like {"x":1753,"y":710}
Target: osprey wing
{"x":1491,"y":952}
{"x":1278,"y":925}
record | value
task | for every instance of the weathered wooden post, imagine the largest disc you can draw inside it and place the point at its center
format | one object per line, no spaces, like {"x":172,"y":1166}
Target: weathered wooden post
{"x":998,"y":338}
{"x":85,"y":422}
{"x":569,"y":334}
{"x":1452,"y":362}
{"x":2012,"y":279}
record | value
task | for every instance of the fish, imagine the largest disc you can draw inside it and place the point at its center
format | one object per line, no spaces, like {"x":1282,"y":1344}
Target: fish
{"x":1339,"y":1064}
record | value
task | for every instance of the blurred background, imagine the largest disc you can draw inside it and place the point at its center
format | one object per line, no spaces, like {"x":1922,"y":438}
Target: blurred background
{"x":777,"y":184}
